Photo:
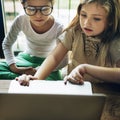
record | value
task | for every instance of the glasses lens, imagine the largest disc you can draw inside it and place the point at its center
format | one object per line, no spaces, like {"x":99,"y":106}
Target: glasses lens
{"x":46,"y":10}
{"x":30,"y":10}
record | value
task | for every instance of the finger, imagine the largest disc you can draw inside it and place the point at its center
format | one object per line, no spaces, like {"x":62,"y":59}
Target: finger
{"x":16,"y":78}
{"x":72,"y":80}
{"x":29,"y":68}
{"x":22,"y":79}
{"x":76,"y":77}
{"x":79,"y":75}
{"x":24,"y":83}
{"x":65,"y":80}
{"x":79,"y":80}
{"x":75,"y":80}
{"x":27,"y":81}
{"x":33,"y":77}
{"x":28,"y":78}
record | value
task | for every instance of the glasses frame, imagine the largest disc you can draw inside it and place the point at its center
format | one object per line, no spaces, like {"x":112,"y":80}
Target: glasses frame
{"x":38,"y":8}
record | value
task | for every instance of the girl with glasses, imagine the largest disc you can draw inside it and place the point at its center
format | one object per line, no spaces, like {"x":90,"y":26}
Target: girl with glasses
{"x":41,"y":30}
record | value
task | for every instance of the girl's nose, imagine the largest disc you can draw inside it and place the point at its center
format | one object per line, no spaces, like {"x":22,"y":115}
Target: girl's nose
{"x":87,"y":22}
{"x":38,"y":13}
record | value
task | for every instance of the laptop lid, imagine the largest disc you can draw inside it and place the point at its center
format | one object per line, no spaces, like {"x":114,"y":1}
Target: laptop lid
{"x":51,"y":87}
{"x":22,"y":106}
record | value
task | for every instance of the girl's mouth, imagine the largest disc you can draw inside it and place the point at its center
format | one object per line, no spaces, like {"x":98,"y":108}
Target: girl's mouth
{"x":39,"y":20}
{"x":88,"y":30}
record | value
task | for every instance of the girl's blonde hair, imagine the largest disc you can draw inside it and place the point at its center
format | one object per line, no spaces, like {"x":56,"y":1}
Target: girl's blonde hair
{"x":113,"y":28}
{"x":113,"y":11}
{"x":52,"y":1}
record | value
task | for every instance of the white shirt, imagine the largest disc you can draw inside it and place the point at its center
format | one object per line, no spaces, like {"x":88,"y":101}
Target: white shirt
{"x":38,"y":45}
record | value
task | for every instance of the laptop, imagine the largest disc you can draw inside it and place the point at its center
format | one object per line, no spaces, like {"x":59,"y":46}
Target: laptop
{"x":50,"y":107}
{"x":27,"y":106}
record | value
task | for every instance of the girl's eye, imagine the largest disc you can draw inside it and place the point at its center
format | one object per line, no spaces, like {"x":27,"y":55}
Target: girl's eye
{"x":30,"y":9}
{"x":45,"y":9}
{"x":97,"y":19}
{"x":83,"y":15}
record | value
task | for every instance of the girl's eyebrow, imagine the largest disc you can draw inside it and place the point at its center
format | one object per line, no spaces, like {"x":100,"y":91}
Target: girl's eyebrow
{"x":82,"y":11}
{"x":97,"y":14}
{"x":92,"y":14}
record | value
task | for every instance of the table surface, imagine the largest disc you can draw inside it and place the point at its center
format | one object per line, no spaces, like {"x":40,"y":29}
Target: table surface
{"x":4,"y":85}
{"x":112,"y":105}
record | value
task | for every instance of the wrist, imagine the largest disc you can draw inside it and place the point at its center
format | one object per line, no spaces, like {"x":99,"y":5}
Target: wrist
{"x":85,"y":68}
{"x":13,"y":67}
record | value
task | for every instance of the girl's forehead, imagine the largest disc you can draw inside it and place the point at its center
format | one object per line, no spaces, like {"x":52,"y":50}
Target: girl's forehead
{"x":38,"y":2}
{"x":94,"y":8}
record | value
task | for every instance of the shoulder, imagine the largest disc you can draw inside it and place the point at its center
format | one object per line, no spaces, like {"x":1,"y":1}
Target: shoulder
{"x":74,"y":32}
{"x":115,"y":48}
{"x":20,"y":22}
{"x":21,"y":18}
{"x":70,"y":36}
{"x":57,"y":27}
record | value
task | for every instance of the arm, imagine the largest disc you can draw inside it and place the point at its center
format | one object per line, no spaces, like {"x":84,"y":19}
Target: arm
{"x":51,"y":61}
{"x":22,"y":70}
{"x":8,"y":42}
{"x":47,"y":66}
{"x":103,"y":73}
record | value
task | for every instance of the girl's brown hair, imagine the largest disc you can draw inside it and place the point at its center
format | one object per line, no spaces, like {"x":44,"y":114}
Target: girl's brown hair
{"x":52,"y":1}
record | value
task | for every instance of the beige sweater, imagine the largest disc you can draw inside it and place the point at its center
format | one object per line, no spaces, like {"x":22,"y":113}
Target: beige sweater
{"x":87,"y":50}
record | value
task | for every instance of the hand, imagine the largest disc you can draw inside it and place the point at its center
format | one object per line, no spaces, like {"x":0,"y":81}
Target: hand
{"x":22,"y":70}
{"x":29,"y":71}
{"x":24,"y":79}
{"x":76,"y":75}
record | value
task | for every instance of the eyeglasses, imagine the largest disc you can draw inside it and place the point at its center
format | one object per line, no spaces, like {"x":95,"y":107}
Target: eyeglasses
{"x":32,"y":10}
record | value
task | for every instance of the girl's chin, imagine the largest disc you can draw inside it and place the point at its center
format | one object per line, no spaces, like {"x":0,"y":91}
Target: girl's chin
{"x":90,"y":34}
